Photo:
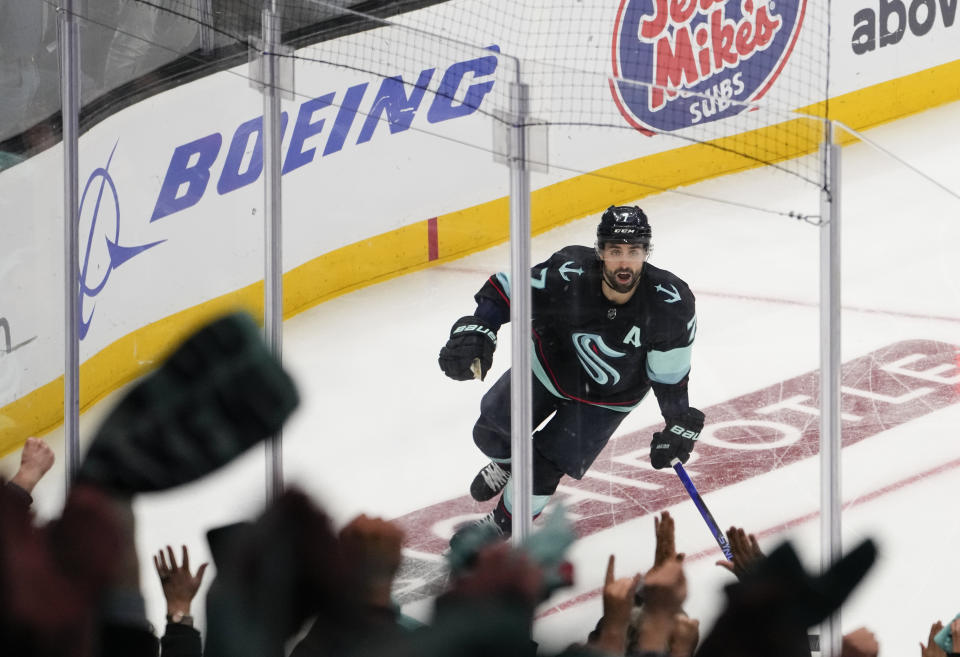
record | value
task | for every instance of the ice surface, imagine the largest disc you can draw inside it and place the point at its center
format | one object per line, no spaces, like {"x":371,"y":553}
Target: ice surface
{"x":381,"y":431}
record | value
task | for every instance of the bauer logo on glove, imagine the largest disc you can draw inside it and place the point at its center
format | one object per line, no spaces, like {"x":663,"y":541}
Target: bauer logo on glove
{"x":683,"y":432}
{"x":469,"y":350}
{"x":475,"y":328}
{"x":677,"y":440}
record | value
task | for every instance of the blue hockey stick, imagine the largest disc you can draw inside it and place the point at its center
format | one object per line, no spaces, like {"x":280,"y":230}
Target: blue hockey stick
{"x":702,"y":507}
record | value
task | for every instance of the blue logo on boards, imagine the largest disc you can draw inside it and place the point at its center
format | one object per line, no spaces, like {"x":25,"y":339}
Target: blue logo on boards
{"x":326,"y":122}
{"x":322,"y":127}
{"x":101,"y":251}
{"x":727,"y":52}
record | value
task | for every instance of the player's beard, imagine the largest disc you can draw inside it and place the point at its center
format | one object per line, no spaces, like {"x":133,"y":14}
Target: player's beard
{"x":610,"y":276}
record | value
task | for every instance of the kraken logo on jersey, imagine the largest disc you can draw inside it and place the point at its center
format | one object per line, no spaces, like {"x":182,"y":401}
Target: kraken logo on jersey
{"x":590,"y":347}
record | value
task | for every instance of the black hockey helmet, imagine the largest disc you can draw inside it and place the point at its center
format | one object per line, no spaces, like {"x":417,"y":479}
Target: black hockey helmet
{"x":624,"y":224}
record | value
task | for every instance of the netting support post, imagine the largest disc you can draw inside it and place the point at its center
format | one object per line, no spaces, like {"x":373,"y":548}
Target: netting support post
{"x":207,"y":35}
{"x":272,"y":215}
{"x":69,"y":45}
{"x":830,"y":377}
{"x":521,"y":415}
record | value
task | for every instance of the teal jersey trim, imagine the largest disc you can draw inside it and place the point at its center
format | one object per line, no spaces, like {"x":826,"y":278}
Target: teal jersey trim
{"x":542,"y":377}
{"x":538,"y":283}
{"x":504,"y":280}
{"x":622,"y":409}
{"x":669,"y":367}
{"x":541,"y":374}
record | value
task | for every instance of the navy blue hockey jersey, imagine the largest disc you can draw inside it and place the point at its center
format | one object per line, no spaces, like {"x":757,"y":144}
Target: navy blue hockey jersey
{"x":589,"y":349}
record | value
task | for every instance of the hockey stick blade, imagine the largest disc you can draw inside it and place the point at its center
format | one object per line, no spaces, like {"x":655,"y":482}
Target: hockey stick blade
{"x":702,"y":508}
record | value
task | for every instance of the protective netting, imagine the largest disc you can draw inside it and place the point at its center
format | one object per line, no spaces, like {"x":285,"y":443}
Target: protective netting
{"x":175,"y":207}
{"x":740,"y":76}
{"x":126,"y":44}
{"x":746,"y":78}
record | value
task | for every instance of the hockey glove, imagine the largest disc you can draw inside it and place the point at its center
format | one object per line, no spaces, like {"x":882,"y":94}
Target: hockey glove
{"x":470,"y":339}
{"x":677,"y":439}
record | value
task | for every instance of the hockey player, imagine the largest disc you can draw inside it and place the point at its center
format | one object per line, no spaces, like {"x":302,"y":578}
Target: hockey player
{"x":607,"y":327}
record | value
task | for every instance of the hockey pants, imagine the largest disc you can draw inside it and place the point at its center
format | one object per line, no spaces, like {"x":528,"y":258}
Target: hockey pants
{"x":567,"y":444}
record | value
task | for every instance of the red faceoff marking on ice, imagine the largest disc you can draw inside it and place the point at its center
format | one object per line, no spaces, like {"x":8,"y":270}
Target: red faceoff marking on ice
{"x":778,"y":425}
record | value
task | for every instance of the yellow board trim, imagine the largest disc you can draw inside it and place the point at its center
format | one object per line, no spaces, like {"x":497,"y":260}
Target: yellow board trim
{"x":473,"y":229}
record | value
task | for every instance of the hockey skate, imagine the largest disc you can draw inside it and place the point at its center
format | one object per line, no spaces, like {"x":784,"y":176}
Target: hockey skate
{"x":490,"y":481}
{"x":496,"y":525}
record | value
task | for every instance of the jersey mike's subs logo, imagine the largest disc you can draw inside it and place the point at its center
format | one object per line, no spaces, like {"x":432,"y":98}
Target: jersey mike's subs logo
{"x":680,"y":63}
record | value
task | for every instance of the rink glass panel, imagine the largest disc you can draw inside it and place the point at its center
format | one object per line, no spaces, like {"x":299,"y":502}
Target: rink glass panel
{"x":32,"y":300}
{"x":172,"y":223}
{"x":901,"y":308}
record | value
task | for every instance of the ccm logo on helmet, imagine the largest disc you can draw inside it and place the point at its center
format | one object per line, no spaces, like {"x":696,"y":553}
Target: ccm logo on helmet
{"x":728,"y":53}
